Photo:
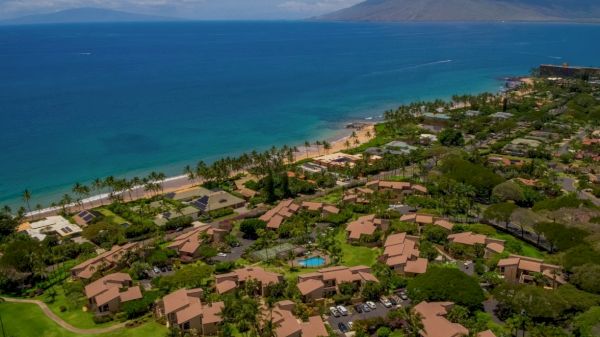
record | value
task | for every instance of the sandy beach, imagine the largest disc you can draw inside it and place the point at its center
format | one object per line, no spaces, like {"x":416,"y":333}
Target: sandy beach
{"x":182,"y":182}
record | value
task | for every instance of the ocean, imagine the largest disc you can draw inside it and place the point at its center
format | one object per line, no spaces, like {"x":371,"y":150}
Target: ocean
{"x":82,"y":101}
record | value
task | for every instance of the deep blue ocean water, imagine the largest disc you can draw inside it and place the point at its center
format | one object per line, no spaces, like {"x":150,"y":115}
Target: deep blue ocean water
{"x":84,"y":101}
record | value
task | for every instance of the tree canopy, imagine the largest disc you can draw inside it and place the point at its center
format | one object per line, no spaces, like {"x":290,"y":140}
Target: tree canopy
{"x":446,"y":284}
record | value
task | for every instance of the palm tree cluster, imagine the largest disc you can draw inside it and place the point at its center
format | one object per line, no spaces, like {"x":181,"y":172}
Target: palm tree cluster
{"x":258,"y":163}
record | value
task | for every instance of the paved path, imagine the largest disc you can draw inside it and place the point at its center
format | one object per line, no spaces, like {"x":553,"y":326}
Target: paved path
{"x":62,"y":323}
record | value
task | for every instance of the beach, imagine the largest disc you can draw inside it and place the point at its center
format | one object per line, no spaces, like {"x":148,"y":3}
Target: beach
{"x":182,"y":182}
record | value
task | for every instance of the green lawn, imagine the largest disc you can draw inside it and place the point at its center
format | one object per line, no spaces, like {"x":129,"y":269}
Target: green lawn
{"x":356,"y":255}
{"x":74,"y":314}
{"x":334,"y":198}
{"x":27,"y":320}
{"x":526,"y":249}
{"x":110,"y":216}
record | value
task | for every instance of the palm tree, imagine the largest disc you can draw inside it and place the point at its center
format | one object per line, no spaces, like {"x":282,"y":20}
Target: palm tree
{"x":26,"y":198}
{"x":326,"y":146}
{"x":413,"y":319}
{"x":306,"y":147}
{"x":65,"y":201}
{"x":347,"y":144}
{"x":97,"y":186}
{"x":318,"y":143}
{"x":189,"y":172}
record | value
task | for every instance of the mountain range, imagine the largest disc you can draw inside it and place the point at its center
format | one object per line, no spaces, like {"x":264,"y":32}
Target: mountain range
{"x":77,"y":15}
{"x":469,"y":10}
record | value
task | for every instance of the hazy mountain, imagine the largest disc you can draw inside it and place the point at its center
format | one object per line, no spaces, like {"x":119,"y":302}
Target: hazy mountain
{"x":84,"y":15}
{"x":469,"y":10}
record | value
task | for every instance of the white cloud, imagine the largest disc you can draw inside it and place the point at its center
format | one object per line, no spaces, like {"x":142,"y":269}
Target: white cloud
{"x":317,"y":6}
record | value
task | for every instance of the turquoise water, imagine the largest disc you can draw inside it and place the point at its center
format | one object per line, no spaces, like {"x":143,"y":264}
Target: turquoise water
{"x":312,"y":262}
{"x":84,"y":101}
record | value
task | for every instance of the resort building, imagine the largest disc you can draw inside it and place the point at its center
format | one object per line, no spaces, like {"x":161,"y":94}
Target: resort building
{"x":396,"y":187}
{"x":401,"y":253}
{"x":340,"y":159}
{"x":276,"y":215}
{"x":492,"y":246}
{"x":52,"y":225}
{"x":188,"y":245}
{"x":365,"y":226}
{"x":104,"y":261}
{"x":501,"y":115}
{"x":319,"y":207}
{"x":358,"y":195}
{"x":184,"y":309}
{"x":106,"y":294}
{"x":425,"y":219}
{"x":472,"y":113}
{"x":287,"y":325}
{"x":325,"y":282}
{"x":522,"y":269}
{"x":394,"y":147}
{"x":434,"y":321}
{"x":226,"y":283}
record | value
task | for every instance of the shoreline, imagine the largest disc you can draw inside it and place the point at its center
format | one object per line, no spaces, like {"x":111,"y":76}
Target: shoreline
{"x":182,"y":182}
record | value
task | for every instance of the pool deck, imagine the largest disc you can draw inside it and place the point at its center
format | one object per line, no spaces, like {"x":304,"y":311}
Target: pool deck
{"x":297,"y":262}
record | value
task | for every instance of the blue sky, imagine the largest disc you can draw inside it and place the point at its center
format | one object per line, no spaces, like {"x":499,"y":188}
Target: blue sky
{"x":192,"y":9}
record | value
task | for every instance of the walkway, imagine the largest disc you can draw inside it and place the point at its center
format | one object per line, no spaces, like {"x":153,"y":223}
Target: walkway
{"x":62,"y":323}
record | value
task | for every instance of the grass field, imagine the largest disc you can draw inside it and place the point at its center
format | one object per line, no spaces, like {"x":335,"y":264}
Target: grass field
{"x":74,"y":314}
{"x":28,"y":320}
{"x":356,"y":255}
{"x":332,"y":198}
{"x":110,"y":216}
{"x":526,"y":249}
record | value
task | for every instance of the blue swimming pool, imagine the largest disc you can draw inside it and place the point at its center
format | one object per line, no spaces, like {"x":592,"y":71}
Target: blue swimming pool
{"x":315,"y":261}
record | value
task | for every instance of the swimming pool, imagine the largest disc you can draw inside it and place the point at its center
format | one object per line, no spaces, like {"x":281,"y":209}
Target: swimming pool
{"x":315,"y":261}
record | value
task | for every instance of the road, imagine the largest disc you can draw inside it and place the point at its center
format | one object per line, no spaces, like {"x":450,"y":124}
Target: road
{"x":569,"y":184}
{"x":62,"y":323}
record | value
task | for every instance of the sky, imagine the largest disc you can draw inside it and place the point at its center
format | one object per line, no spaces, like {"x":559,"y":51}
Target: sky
{"x":190,"y":9}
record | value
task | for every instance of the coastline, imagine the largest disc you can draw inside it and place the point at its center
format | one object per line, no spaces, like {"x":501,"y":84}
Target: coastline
{"x":182,"y":182}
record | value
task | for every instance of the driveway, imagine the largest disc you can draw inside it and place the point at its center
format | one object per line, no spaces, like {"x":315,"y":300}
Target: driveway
{"x":236,"y":252}
{"x":353,"y":316}
{"x":568,"y":184}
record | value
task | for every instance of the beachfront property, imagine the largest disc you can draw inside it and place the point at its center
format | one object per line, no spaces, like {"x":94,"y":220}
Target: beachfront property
{"x":365,"y":227}
{"x":521,"y":269}
{"x":188,"y":211}
{"x":472,"y":113}
{"x":227,"y":283}
{"x":107,"y":294}
{"x":401,"y":253}
{"x":491,"y":246}
{"x":312,"y":168}
{"x":325,"y":282}
{"x":426,"y":219}
{"x":319,"y":207}
{"x":394,"y":147}
{"x":188,"y":244}
{"x":520,"y":147}
{"x":85,"y":217}
{"x":436,"y":117}
{"x":185,"y":310}
{"x":276,"y":215}
{"x":287,"y":325}
{"x":102,"y":262}
{"x":339,"y":159}
{"x":218,"y":200}
{"x":52,"y":225}
{"x":435,"y":323}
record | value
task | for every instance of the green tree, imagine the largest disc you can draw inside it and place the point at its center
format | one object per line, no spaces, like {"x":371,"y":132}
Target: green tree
{"x":451,"y":137}
{"x":587,"y":277}
{"x":446,"y":284}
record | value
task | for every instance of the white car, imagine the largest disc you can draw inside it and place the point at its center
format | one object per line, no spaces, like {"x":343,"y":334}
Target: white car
{"x":334,"y":312}
{"x":386,"y":303}
{"x":350,"y":324}
{"x":221,"y":255}
{"x":371,"y":305}
{"x":342,"y":310}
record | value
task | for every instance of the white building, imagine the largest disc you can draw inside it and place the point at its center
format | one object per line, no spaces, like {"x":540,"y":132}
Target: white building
{"x":51,"y":225}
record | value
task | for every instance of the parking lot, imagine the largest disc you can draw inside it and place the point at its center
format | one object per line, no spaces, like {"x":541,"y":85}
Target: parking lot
{"x":353,"y":316}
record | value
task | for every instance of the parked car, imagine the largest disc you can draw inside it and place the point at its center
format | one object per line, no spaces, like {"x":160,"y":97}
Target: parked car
{"x":393,"y":300}
{"x":396,"y":299}
{"x":342,"y":309}
{"x":403,"y":296}
{"x":221,"y":255}
{"x":343,"y":327}
{"x":372,"y":305}
{"x":350,"y":325}
{"x":386,"y":303}
{"x":334,"y":312}
{"x":156,"y":270}
{"x":366,"y":308}
{"x":358,"y":308}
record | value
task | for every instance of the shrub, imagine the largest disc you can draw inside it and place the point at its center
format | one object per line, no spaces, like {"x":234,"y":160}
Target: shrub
{"x":180,"y":222}
{"x":62,"y":308}
{"x":218,"y":213}
{"x":102,"y":319}
{"x":250,"y":227}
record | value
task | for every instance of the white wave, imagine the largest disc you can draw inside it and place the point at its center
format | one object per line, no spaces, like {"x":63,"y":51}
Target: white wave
{"x":416,"y":66}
